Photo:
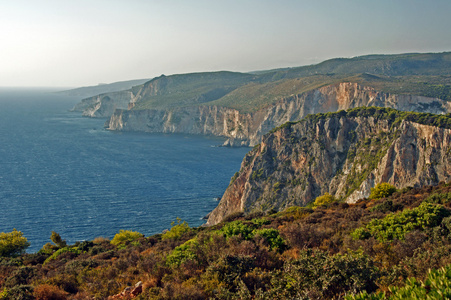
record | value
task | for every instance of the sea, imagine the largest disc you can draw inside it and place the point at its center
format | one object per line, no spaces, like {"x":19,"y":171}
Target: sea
{"x":63,"y":172}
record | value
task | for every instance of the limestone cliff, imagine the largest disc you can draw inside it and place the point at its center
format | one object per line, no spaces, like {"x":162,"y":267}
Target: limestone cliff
{"x":344,"y":154}
{"x":246,"y":129}
{"x":104,"y":105}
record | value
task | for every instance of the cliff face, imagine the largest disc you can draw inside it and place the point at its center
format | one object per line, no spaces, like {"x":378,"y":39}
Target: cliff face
{"x":248,"y":129}
{"x":344,"y":154}
{"x":103,"y":106}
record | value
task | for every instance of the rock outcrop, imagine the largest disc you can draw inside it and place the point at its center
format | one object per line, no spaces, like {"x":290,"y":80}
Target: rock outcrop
{"x":344,"y":154}
{"x":247,"y":129}
{"x":104,"y":105}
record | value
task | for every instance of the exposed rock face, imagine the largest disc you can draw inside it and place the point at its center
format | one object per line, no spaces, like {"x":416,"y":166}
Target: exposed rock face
{"x":344,"y":154}
{"x":248,"y":129}
{"x":103,"y":106}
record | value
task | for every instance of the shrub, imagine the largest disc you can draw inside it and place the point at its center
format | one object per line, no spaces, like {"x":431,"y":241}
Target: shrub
{"x":125,"y":236}
{"x":395,"y":226}
{"x":382,"y":190}
{"x":49,"y":292}
{"x":318,"y":275}
{"x":177,"y":230}
{"x":324,"y":200}
{"x":19,"y":292}
{"x":186,"y":251}
{"x":437,"y":285}
{"x":61,"y":251}
{"x":439,"y":198}
{"x":261,"y":221}
{"x":237,"y":228}
{"x":13,"y":243}
{"x":273,"y":238}
{"x":20,"y":276}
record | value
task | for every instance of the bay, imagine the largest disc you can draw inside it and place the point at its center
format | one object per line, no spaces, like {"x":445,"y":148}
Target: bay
{"x":65,"y":173}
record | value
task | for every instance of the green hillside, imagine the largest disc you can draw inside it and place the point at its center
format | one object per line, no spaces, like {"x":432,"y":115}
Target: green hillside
{"x":417,"y":74}
{"x":188,"y":89}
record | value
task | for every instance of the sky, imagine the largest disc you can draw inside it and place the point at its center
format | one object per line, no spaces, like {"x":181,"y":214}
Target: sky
{"x":46,"y":43}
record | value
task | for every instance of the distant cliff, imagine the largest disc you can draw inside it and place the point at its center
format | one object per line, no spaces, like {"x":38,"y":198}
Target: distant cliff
{"x":90,"y":91}
{"x":104,"y":105}
{"x":344,"y":154}
{"x":246,"y":129}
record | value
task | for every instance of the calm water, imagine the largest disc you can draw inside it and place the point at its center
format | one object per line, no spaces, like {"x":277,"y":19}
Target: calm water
{"x":62,"y":172}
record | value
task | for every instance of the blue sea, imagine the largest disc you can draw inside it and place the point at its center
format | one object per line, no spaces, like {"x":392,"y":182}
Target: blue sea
{"x":62,"y":172}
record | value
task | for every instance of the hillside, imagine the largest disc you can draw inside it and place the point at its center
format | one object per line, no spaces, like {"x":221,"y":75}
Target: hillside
{"x":344,"y":154}
{"x":425,"y":74}
{"x":89,"y":91}
{"x":388,"y":65}
{"x":243,"y":107}
{"x":329,"y":251}
{"x":247,"y":129}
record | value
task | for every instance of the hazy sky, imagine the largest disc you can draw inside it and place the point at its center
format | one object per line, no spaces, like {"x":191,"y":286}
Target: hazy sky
{"x":80,"y":43}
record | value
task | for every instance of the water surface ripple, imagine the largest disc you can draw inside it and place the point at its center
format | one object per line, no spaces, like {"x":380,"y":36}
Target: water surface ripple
{"x":62,"y":172}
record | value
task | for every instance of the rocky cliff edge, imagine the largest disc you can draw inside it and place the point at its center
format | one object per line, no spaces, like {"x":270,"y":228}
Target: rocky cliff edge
{"x":344,"y":154}
{"x":247,"y":129}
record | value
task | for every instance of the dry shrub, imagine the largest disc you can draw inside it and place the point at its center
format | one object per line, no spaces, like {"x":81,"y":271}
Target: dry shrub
{"x":150,"y":283}
{"x":49,"y":292}
{"x":100,"y":240}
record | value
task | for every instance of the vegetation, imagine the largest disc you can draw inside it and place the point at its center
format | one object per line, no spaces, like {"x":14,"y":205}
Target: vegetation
{"x":125,"y":236}
{"x":324,"y":200}
{"x":418,"y":74}
{"x":437,"y":285}
{"x":396,"y":226}
{"x":12,"y":243}
{"x":382,"y":190}
{"x":394,"y":247}
{"x":177,"y":230}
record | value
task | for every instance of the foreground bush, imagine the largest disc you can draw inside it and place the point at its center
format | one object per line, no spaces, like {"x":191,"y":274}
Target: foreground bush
{"x":437,"y":285}
{"x":318,"y":275}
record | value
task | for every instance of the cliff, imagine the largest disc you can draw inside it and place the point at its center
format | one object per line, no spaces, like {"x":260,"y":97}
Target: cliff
{"x":344,"y":154}
{"x":104,"y":105}
{"x":91,"y":91}
{"x":246,"y":129}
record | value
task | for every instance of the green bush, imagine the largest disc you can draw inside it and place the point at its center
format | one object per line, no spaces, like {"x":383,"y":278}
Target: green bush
{"x":273,"y":238}
{"x":382,"y":190}
{"x":395,"y":226}
{"x":20,"y":292}
{"x":439,"y":198}
{"x":61,"y":251}
{"x":177,"y":230}
{"x":186,"y":251}
{"x":125,"y":236}
{"x":261,"y":221}
{"x":237,"y":228}
{"x":324,"y":200}
{"x":437,"y":285}
{"x":318,"y":275}
{"x":13,"y":243}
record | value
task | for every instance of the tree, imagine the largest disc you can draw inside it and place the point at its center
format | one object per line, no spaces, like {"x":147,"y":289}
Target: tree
{"x":57,"y":240}
{"x":382,"y":190}
{"x":13,"y":243}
